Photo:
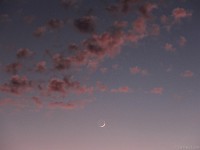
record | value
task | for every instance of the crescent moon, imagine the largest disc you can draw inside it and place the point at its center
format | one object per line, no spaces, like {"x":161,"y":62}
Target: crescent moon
{"x":104,"y":124}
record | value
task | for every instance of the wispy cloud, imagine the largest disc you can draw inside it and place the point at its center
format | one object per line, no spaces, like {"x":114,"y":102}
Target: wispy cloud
{"x":169,"y":47}
{"x":40,"y":31}
{"x":147,"y":8}
{"x":157,"y":90}
{"x":182,"y":41}
{"x":70,"y":105}
{"x":180,"y":13}
{"x":123,"y":89}
{"x":187,"y":74}
{"x":37,"y":102}
{"x":137,"y":70}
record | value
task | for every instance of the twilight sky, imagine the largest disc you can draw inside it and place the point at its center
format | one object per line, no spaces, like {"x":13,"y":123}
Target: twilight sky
{"x":66,"y":66}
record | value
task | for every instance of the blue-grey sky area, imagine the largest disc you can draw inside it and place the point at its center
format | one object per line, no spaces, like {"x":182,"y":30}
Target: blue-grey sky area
{"x":99,"y":74}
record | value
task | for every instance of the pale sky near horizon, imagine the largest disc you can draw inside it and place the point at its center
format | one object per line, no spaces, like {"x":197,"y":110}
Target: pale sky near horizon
{"x":67,"y":64}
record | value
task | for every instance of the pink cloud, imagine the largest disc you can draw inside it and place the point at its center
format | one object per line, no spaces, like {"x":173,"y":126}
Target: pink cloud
{"x":123,"y":89}
{"x":187,"y":74}
{"x":40,"y":31}
{"x":157,"y":90}
{"x":169,"y":47}
{"x":101,"y":87}
{"x":40,"y":66}
{"x":70,"y":105}
{"x":37,"y":102}
{"x":182,"y":41}
{"x":103,"y":70}
{"x":106,"y":44}
{"x":57,"y":85}
{"x":16,"y":85}
{"x":137,"y":70}
{"x":85,"y":24}
{"x":123,"y":6}
{"x":120,"y":24}
{"x":133,"y":37}
{"x":180,"y":13}
{"x":164,"y":19}
{"x":60,"y":62}
{"x":93,"y":64}
{"x":139,"y":25}
{"x":73,"y":46}
{"x":55,"y":23}
{"x":66,"y":86}
{"x":13,"y":67}
{"x":155,"y":30}
{"x":84,"y":90}
{"x":24,"y":52}
{"x":147,"y":8}
{"x":97,"y":48}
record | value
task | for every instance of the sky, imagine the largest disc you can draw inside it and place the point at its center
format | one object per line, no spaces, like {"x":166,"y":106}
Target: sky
{"x":69,"y":66}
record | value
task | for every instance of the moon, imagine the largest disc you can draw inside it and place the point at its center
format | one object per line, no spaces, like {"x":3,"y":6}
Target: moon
{"x":102,"y":123}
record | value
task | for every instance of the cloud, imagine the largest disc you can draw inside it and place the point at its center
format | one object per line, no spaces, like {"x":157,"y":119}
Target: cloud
{"x":155,"y":29}
{"x":85,"y":24}
{"x":120,"y":24}
{"x":40,"y":66}
{"x":169,"y":47}
{"x":164,"y":19}
{"x":13,"y":67}
{"x":147,"y":8}
{"x":66,"y":86}
{"x":68,"y":3}
{"x":101,"y":87}
{"x":40,"y":31}
{"x":24,"y":52}
{"x":123,"y":89}
{"x":104,"y":70}
{"x":73,"y":46}
{"x":180,"y":13}
{"x":57,"y":85}
{"x":137,"y":70}
{"x":61,"y":63}
{"x":157,"y":90}
{"x":187,"y":74}
{"x":37,"y":102}
{"x":84,"y":90}
{"x":55,"y":23}
{"x":182,"y":41}
{"x":16,"y":85}
{"x":70,"y":105}
{"x":139,"y":25}
{"x":106,"y":44}
{"x":97,"y":48}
